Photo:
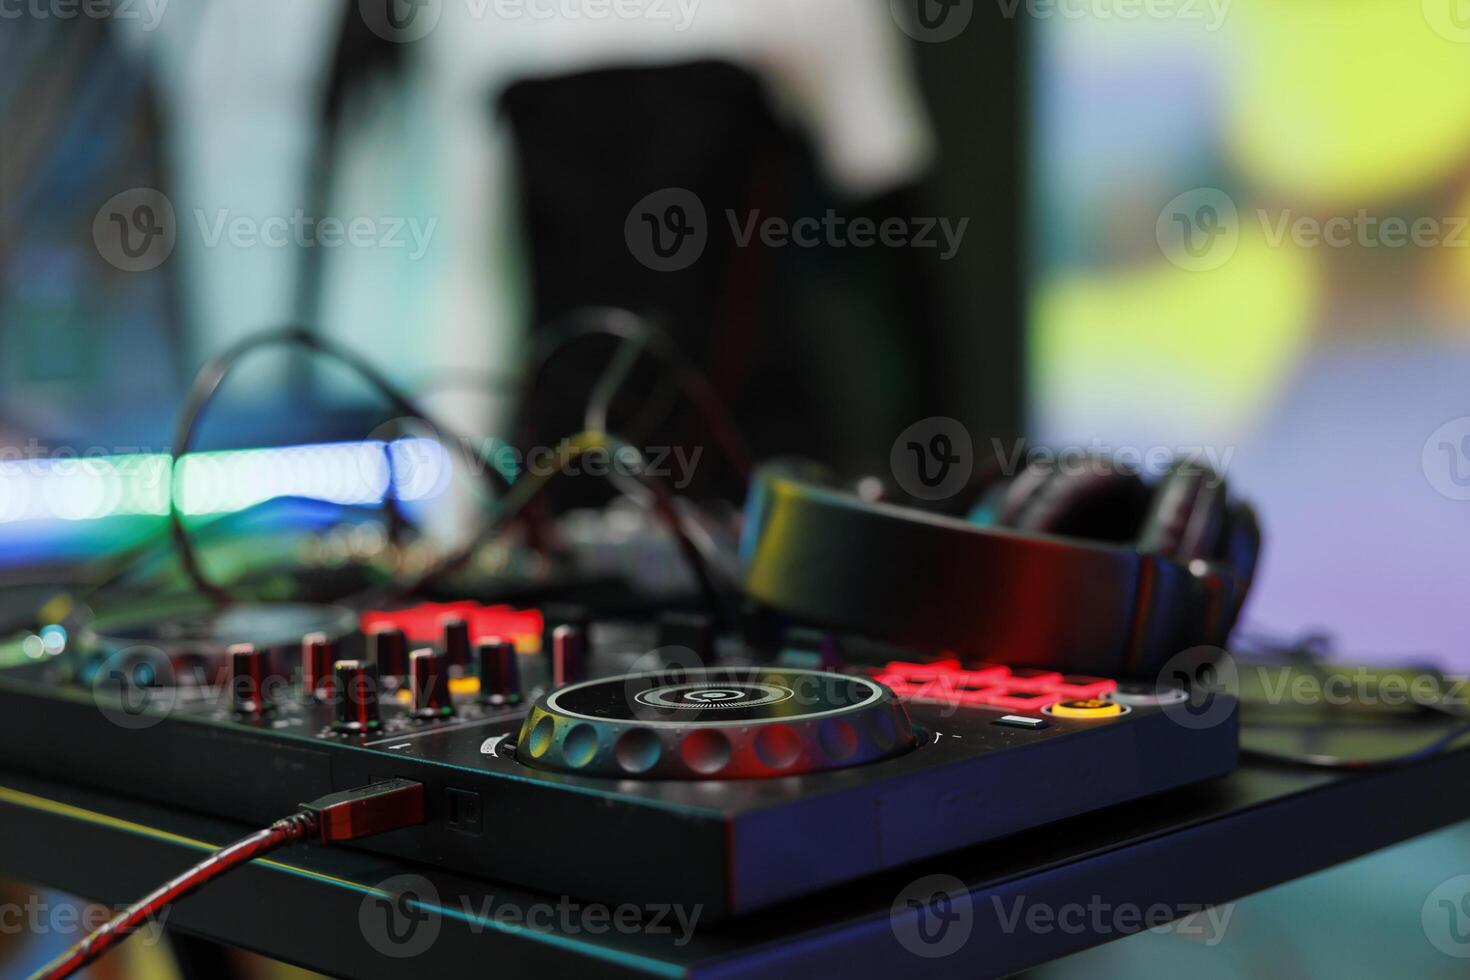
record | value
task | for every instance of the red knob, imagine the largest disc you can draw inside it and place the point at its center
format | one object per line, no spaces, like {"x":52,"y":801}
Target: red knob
{"x":247,"y":679}
{"x":319,"y":654}
{"x":457,"y":643}
{"x":500,"y":676}
{"x":430,"y":685}
{"x":389,"y":648}
{"x":355,"y":689}
{"x":568,"y":655}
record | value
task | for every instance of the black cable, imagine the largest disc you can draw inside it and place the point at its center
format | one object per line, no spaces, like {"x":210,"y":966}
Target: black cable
{"x":695,"y":547}
{"x":208,"y":383}
{"x":638,"y":336}
{"x":599,"y":405}
{"x":529,"y":487}
{"x":110,"y":569}
{"x":687,"y":534}
{"x":629,"y":327}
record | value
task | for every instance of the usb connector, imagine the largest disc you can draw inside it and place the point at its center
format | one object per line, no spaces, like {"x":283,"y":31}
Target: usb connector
{"x":376,"y":809}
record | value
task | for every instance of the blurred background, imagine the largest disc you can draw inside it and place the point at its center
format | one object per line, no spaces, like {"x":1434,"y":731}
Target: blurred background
{"x":1230,"y":226}
{"x":488,"y":157}
{"x":1328,"y":367}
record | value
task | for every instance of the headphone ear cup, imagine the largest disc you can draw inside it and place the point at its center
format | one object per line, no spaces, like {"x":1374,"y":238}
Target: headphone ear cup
{"x":1007,"y":500}
{"x":1240,"y":549}
{"x":1187,"y":516}
{"x":1096,"y":502}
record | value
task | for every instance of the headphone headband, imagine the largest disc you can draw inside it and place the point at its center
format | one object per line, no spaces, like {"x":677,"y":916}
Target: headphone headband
{"x":936,"y":583}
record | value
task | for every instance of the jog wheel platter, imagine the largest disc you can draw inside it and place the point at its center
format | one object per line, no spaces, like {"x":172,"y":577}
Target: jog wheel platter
{"x":727,"y":723}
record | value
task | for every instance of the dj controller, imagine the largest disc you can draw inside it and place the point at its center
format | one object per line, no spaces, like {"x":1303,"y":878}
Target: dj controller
{"x":653,"y":760}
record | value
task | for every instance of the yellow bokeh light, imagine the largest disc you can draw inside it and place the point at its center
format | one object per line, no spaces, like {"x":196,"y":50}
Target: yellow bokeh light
{"x":1214,"y":346}
{"x":1353,"y":101}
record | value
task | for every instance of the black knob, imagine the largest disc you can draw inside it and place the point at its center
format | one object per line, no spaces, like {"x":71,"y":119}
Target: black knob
{"x":247,"y":679}
{"x":355,"y":686}
{"x":389,"y":648}
{"x":568,"y":655}
{"x":500,"y":675}
{"x":430,"y":685}
{"x":319,"y":653}
{"x":457,"y":644}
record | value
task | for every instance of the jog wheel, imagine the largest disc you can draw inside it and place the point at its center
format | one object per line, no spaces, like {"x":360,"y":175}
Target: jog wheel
{"x":725,"y":723}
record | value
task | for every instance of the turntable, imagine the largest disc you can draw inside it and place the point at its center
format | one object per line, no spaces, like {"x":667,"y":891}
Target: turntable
{"x":609,"y":771}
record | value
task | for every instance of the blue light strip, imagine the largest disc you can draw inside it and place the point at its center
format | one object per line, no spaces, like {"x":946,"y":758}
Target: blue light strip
{"x":99,"y":487}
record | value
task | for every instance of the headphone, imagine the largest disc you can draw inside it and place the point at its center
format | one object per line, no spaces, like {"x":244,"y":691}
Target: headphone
{"x":1084,"y":568}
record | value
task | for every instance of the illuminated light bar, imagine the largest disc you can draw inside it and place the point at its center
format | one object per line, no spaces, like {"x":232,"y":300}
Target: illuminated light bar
{"x":424,"y":623}
{"x":97,"y":487}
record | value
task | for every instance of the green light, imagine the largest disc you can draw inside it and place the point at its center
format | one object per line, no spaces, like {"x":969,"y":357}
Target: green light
{"x":93,"y":488}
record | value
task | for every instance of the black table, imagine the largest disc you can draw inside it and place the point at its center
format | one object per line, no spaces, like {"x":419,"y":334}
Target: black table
{"x":1097,"y":878}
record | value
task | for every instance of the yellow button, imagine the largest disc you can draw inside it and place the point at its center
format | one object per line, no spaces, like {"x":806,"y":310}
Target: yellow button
{"x":464,"y":685}
{"x":1086,"y":708}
